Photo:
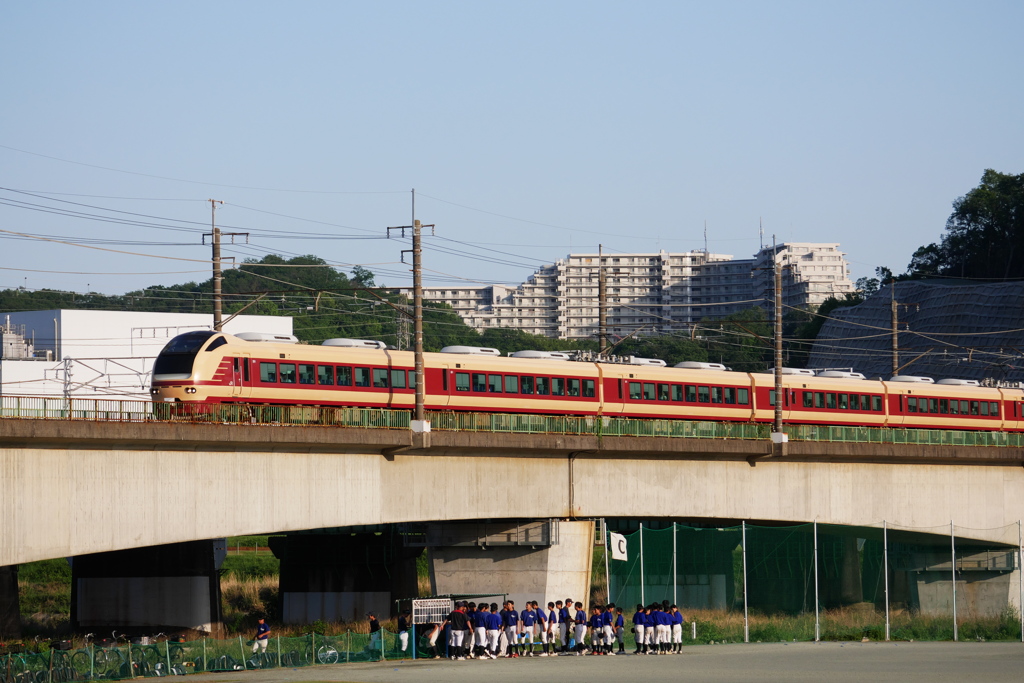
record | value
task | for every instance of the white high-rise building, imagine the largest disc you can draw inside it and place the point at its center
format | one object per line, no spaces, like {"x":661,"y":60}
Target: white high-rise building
{"x":649,"y":293}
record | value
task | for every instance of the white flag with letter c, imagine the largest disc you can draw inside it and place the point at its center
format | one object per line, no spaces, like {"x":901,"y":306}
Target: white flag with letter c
{"x":618,"y":545}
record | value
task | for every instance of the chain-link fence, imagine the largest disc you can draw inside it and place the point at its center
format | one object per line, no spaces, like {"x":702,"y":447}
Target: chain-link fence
{"x":821,"y":581}
{"x":120,"y":660}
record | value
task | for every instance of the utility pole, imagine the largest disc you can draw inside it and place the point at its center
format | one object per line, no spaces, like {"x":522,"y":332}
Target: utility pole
{"x":779,"y":438}
{"x":215,"y":236}
{"x":602,"y":302}
{"x":419,"y":422}
{"x":894,"y":307}
{"x":895,"y":330}
{"x":217,"y":277}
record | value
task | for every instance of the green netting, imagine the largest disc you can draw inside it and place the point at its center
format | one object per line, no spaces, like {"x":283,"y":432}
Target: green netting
{"x":702,"y":570}
{"x":180,"y":658}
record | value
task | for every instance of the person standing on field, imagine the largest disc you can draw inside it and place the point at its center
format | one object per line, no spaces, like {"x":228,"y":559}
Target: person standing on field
{"x":262,"y":637}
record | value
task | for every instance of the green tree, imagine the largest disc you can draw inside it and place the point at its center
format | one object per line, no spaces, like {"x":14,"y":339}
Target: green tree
{"x":984,"y":235}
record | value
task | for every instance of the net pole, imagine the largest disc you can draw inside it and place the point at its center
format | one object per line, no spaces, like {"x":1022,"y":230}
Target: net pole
{"x":885,"y":561}
{"x":1020,"y":579}
{"x":675,"y":570}
{"x":607,"y":570}
{"x":817,"y":619}
{"x":643,"y":600}
{"x":952,"y":574}
{"x":746,"y":616}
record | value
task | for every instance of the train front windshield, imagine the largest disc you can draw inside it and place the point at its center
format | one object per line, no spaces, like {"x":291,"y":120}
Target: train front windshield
{"x":176,"y":358}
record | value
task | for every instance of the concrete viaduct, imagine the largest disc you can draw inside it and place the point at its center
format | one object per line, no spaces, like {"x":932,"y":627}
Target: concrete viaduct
{"x":73,"y":488}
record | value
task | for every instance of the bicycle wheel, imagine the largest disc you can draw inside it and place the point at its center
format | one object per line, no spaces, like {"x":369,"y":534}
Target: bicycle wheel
{"x":177,"y":654}
{"x":290,"y":658}
{"x":327,"y":655}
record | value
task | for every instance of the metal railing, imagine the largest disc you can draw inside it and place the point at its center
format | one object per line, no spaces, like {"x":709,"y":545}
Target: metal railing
{"x":107,"y":410}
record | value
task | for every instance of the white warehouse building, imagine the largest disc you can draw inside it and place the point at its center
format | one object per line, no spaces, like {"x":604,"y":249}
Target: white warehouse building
{"x":99,"y":354}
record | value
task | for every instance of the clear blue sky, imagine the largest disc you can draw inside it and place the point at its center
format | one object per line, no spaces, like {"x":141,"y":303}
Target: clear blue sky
{"x":529,"y":128}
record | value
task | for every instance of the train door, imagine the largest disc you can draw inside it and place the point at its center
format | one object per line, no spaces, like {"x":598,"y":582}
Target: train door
{"x":443,"y":397}
{"x":241,"y":383}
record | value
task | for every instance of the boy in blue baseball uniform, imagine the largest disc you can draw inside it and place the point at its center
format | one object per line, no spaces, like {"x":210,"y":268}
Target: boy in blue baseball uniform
{"x":528,"y":619}
{"x":511,"y":621}
{"x":596,"y":633}
{"x":620,"y":629}
{"x":553,"y":629}
{"x":580,"y":620}
{"x":677,"y":629}
{"x":607,"y":617}
{"x":493,"y":630}
{"x":639,"y":628}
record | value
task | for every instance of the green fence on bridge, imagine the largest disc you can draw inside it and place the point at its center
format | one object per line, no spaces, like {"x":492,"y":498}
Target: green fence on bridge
{"x":106,"y":410}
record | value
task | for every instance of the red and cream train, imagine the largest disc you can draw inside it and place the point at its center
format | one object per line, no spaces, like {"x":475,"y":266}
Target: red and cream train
{"x":212,"y":368}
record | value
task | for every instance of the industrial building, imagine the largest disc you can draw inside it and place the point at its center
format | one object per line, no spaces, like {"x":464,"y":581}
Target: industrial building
{"x":99,"y":354}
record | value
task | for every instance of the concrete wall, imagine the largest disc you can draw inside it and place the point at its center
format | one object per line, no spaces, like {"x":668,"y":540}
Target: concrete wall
{"x":73,"y":488}
{"x":542,"y":574}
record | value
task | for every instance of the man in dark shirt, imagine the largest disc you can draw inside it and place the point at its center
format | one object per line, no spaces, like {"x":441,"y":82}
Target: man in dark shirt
{"x":403,"y":631}
{"x":459,"y":624}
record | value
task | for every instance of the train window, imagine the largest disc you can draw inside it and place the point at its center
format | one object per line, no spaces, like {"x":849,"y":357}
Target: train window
{"x":543,"y":385}
{"x":854,"y":402}
{"x":911,"y":404}
{"x":876,"y":403}
{"x":730,"y":396}
{"x":412,"y":379}
{"x":993,"y":409}
{"x":984,"y":408}
{"x":288,"y":373}
{"x":865,"y":402}
{"x":808,"y":399}
{"x":245,"y":370}
{"x":819,"y":399}
{"x":954,"y":407}
{"x":511,"y":384}
{"x":843,"y":403}
{"x":636,"y":391}
{"x":362,"y":377}
{"x":743,"y":396}
{"x":716,"y":394}
{"x":663,"y":392}
{"x":574,"y":387}
{"x":588,"y":388}
{"x":691,"y":393}
{"x":974,"y":408}
{"x":461,"y":381}
{"x":650,"y":391}
{"x":830,"y":400}
{"x":479,"y":382}
{"x":703,"y":395}
{"x":268,"y":372}
{"x":933,"y":405}
{"x":526,"y":384}
{"x":677,"y":392}
{"x":557,"y":386}
{"x":944,"y":406}
{"x":380,"y":378}
{"x":963,"y":407}
{"x":219,"y":341}
{"x":494,"y":384}
{"x":771,"y":397}
{"x":398,"y":379}
{"x":325,"y":374}
{"x":307,"y":374}
{"x":344,"y":376}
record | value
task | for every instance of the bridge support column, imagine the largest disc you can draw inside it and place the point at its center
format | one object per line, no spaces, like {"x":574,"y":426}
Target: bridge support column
{"x":342,"y":576}
{"x":524,"y":561}
{"x":160,"y":588}
{"x":10,"y":607}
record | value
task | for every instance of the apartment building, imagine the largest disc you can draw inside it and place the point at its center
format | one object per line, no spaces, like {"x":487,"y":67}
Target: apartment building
{"x":649,"y":293}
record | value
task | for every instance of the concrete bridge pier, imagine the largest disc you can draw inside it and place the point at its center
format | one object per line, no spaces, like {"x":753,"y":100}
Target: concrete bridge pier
{"x":539,"y":560}
{"x":144,"y":590}
{"x":10,"y":607}
{"x":338,"y":575}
